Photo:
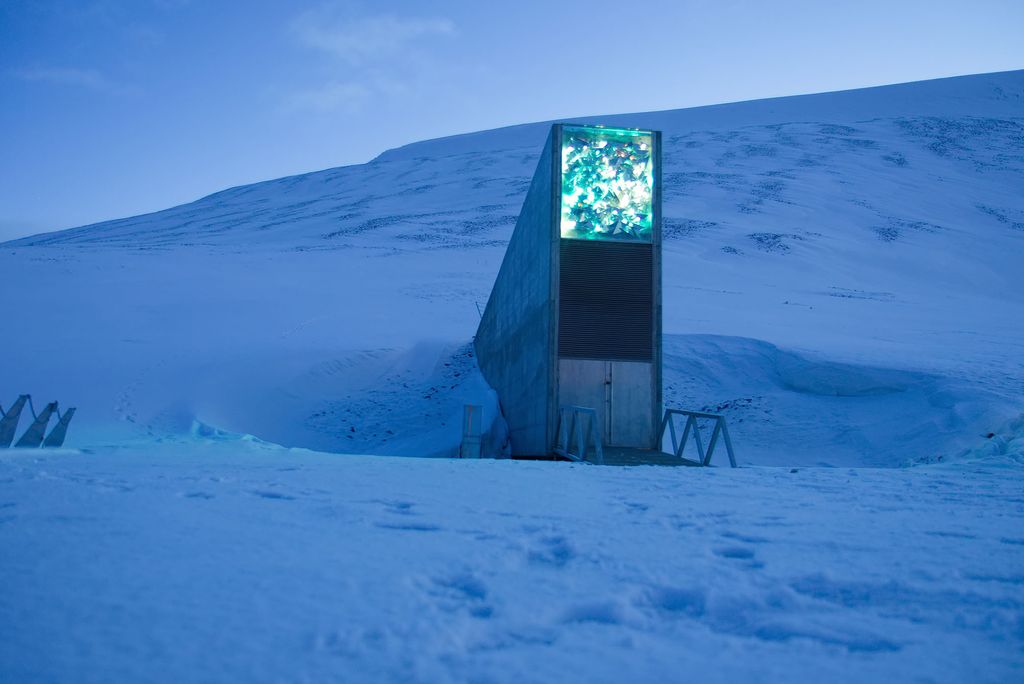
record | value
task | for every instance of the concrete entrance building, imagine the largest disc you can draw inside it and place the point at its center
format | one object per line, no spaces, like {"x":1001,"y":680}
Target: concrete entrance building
{"x":575,"y":314}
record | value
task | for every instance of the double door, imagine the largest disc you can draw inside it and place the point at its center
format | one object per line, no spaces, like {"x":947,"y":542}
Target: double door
{"x":621,"y":392}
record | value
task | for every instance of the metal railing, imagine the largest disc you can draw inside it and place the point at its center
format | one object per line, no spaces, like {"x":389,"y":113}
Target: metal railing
{"x":678,"y":446}
{"x":36,"y":435}
{"x":570,"y":427}
{"x":472,"y":427}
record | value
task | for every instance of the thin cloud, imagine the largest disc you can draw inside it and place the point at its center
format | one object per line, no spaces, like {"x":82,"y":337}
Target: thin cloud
{"x":89,"y":79}
{"x":362,"y":57}
{"x":356,"y":40}
{"x":329,"y":97}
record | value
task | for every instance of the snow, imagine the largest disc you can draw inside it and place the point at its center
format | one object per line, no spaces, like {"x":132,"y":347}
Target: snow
{"x":238,"y":560}
{"x":840,"y":282}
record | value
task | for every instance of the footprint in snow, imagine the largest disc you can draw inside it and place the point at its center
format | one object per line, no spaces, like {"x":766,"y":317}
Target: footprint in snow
{"x":263,"y":494}
{"x":735,"y":552}
{"x":740,"y":553}
{"x":601,"y":612}
{"x":555,"y":551}
{"x":411,"y":527}
{"x":950,"y":534}
{"x":675,"y":601}
{"x":462,"y":591}
{"x":748,"y":539}
{"x":397,"y":507}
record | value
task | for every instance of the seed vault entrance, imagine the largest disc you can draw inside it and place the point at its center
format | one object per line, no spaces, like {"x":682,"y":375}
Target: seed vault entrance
{"x":575,"y":314}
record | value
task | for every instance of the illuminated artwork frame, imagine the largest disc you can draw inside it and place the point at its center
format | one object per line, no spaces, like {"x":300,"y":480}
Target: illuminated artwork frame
{"x":607,"y":184}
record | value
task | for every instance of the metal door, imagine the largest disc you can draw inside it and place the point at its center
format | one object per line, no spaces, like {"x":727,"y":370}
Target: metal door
{"x":621,"y":392}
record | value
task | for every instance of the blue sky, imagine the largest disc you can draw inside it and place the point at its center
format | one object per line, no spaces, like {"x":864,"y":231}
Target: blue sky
{"x":110,"y":108}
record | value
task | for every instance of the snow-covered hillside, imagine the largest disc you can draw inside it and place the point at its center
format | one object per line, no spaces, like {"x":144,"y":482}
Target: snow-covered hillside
{"x":841,"y":281}
{"x":879,"y":227}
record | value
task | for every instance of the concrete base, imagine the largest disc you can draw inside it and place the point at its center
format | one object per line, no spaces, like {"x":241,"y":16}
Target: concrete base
{"x":625,"y":456}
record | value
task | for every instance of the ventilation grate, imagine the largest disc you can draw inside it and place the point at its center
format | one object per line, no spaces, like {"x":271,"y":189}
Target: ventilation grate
{"x":606,"y":300}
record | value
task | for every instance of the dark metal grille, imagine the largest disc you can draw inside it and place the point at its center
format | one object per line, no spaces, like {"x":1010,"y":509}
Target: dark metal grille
{"x":606,"y":300}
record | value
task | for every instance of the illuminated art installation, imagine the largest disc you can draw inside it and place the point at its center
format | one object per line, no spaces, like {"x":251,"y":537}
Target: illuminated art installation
{"x":607,"y":184}
{"x":571,"y":334}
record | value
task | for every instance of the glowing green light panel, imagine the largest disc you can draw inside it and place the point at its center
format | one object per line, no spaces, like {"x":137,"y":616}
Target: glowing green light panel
{"x":607,"y":184}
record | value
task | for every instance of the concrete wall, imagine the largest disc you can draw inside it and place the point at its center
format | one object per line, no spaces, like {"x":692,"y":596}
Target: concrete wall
{"x":627,"y":395}
{"x":515,"y":343}
{"x":657,"y":406}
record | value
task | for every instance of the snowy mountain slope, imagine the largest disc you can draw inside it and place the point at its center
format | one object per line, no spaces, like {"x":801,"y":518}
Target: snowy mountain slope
{"x":463,"y":186}
{"x":880,"y":228}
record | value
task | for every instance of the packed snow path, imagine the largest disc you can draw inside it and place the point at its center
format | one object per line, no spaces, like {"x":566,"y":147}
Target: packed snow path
{"x":238,"y":561}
